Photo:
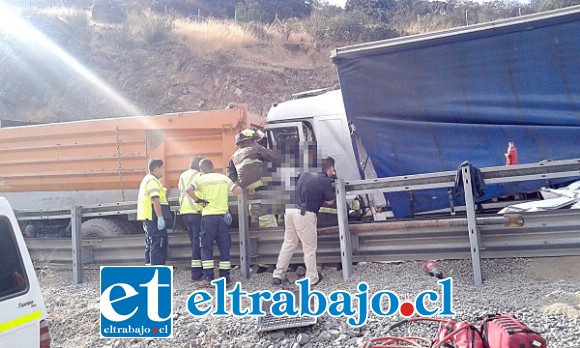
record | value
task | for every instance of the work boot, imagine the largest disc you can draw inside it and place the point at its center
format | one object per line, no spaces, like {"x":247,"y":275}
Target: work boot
{"x":196,"y":276}
{"x":276,"y":281}
{"x":262,"y":269}
{"x":204,"y":283}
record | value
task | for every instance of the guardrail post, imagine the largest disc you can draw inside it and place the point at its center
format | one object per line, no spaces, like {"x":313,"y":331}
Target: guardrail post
{"x":244,"y":230}
{"x":344,"y":233}
{"x":77,"y":244}
{"x":472,"y":226}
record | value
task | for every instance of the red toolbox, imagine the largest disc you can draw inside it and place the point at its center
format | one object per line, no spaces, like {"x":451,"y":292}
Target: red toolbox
{"x":505,"y":331}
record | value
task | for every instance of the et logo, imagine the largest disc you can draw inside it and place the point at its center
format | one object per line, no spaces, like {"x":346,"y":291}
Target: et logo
{"x":137,"y":302}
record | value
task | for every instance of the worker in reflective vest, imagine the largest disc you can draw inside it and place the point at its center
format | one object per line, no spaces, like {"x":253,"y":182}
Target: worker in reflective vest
{"x":210,"y":190}
{"x":153,"y":210}
{"x":191,"y":214}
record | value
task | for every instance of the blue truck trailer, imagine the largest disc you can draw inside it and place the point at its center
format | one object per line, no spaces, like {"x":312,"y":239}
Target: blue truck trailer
{"x":426,"y":103}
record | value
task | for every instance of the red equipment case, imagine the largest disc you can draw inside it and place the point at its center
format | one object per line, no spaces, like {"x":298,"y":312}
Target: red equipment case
{"x":505,"y":331}
{"x":459,"y":334}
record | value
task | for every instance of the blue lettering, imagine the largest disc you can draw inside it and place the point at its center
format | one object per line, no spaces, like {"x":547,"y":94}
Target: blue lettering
{"x":447,"y":294}
{"x":236,"y":300}
{"x":256,"y":307}
{"x":315,"y":303}
{"x":305,"y":297}
{"x":362,"y":296}
{"x":192,"y":303}
{"x":283,"y":304}
{"x":341,"y":304}
{"x":376,"y":303}
{"x":220,"y":296}
{"x":420,"y":303}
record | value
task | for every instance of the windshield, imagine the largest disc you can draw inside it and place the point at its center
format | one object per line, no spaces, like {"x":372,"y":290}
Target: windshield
{"x":13,"y":278}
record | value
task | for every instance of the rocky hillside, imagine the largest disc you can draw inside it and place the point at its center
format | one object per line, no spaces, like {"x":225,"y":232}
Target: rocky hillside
{"x":107,"y":58}
{"x":68,"y":66}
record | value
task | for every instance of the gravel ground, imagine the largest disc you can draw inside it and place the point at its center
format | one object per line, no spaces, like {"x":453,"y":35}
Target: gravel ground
{"x":545,"y":296}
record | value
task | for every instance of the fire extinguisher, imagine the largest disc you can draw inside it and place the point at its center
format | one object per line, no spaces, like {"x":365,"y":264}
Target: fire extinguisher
{"x":511,"y":157}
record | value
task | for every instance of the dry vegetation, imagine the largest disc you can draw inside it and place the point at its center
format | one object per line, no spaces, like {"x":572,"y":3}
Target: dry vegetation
{"x":211,"y":40}
{"x":161,"y":63}
{"x":168,"y":61}
{"x":210,"y":37}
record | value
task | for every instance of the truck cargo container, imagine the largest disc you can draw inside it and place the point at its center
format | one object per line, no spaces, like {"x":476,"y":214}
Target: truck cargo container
{"x":58,"y":165}
{"x":426,"y":103}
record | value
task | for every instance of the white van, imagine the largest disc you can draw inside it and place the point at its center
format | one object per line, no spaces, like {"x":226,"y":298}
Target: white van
{"x":22,"y":311}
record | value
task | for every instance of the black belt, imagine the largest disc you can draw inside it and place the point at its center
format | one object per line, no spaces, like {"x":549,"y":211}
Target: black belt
{"x":300,"y":206}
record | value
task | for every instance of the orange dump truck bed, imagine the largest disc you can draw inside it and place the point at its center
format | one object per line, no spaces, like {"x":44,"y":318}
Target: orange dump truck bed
{"x":112,"y":154}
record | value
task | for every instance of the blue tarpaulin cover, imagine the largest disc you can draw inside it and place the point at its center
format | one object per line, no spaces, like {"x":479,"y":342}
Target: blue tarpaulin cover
{"x":427,"y":103}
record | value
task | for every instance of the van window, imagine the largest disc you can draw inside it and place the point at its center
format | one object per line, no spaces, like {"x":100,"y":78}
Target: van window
{"x":13,"y":279}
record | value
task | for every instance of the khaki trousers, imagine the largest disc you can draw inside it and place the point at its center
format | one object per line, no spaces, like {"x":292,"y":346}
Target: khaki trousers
{"x":298,"y":228}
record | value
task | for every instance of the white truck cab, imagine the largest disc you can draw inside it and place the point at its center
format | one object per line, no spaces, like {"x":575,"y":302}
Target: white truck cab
{"x":315,"y":123}
{"x":22,"y":310}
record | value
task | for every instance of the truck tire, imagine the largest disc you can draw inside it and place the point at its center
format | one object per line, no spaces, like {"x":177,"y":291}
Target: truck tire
{"x":130,"y":227}
{"x":97,"y":228}
{"x":30,"y":231}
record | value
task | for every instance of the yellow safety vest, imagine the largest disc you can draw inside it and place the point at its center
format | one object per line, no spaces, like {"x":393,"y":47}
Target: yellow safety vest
{"x":186,"y":203}
{"x":150,"y":187}
{"x":214,"y":188}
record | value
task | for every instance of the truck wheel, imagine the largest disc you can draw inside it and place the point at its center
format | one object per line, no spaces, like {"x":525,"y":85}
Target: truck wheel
{"x":130,"y":227}
{"x":31,"y":231}
{"x":97,"y":228}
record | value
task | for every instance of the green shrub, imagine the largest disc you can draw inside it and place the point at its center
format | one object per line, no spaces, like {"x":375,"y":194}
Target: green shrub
{"x":348,"y":28}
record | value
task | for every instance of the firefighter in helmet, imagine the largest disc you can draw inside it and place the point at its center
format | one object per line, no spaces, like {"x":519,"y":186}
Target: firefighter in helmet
{"x":247,"y":167}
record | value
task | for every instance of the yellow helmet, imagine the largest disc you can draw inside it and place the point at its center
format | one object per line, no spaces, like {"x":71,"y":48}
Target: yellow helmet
{"x":250,"y":133}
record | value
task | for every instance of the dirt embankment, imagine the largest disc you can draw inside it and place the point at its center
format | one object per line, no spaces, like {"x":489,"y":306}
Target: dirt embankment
{"x":95,"y":71}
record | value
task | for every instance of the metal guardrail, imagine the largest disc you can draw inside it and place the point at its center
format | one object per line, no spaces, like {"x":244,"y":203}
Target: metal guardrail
{"x":552,"y":233}
{"x":491,"y":175}
{"x":97,"y":210}
{"x":502,"y":174}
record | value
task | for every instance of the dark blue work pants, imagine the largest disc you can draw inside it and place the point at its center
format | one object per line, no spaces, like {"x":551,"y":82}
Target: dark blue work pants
{"x":156,"y":244}
{"x":214,"y":228}
{"x":193,"y":224}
